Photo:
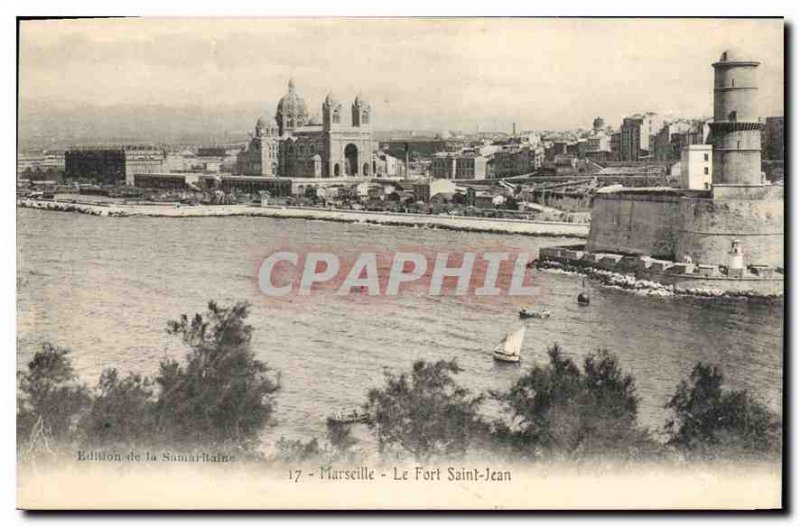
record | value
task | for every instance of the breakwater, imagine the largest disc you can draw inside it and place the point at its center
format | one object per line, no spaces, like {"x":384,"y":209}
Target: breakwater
{"x":663,"y":284}
{"x":447,"y":222}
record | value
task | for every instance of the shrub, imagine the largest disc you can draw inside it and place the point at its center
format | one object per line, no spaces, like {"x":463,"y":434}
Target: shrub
{"x":709,"y":420}
{"x":562,"y":410}
{"x":51,"y":400}
{"x":425,"y":413}
{"x":121,"y":411}
{"x":222,"y":393}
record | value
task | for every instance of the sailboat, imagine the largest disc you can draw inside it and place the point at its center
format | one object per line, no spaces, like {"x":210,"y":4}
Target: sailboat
{"x":508,"y":350}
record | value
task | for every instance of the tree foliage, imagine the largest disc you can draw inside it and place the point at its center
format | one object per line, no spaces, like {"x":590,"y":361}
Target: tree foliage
{"x":51,"y":399}
{"x":222,"y":393}
{"x":561,"y":408}
{"x":121,"y":411}
{"x":711,"y":420}
{"x":424,"y":413}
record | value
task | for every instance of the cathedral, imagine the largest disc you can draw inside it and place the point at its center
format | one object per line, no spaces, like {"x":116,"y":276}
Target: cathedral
{"x":296,"y":145}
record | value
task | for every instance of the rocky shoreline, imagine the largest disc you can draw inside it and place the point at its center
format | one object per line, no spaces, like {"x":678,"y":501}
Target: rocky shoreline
{"x":630,"y":283}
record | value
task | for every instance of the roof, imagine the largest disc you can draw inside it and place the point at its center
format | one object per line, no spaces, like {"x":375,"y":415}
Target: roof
{"x":734,"y":55}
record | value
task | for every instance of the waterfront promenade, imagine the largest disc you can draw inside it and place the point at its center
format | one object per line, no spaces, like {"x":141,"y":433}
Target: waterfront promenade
{"x":472,"y":224}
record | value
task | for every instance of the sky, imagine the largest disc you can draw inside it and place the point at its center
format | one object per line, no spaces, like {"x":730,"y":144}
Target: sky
{"x":448,"y":74}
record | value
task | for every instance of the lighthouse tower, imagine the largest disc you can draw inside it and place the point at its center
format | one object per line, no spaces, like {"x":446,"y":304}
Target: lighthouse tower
{"x":736,"y":130}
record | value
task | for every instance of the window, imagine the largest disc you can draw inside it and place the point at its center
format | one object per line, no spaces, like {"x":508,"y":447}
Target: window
{"x":705,"y":157}
{"x":705,"y":170}
{"x":733,"y":83}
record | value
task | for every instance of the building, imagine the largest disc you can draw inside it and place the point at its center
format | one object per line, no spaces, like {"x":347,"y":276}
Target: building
{"x":424,"y":191}
{"x":114,"y":165}
{"x":517,"y":160}
{"x":637,"y":136}
{"x":296,"y":145}
{"x":389,"y":166}
{"x":42,"y":165}
{"x":673,"y":137}
{"x":739,"y":209}
{"x":467,"y":164}
{"x":211,"y":182}
{"x":696,"y":167}
{"x":773,"y":139}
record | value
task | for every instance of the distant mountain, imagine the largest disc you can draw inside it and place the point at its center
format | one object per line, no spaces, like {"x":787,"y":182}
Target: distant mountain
{"x":47,"y":126}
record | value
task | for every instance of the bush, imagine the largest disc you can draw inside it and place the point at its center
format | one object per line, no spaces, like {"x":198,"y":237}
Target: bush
{"x":222,"y":393}
{"x":561,"y":409}
{"x":426,"y":413}
{"x":711,"y":421}
{"x":121,"y":412}
{"x":51,"y":400}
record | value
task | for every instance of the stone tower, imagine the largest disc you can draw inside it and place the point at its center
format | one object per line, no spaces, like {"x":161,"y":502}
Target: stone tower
{"x":736,"y":130}
{"x":361,"y":112}
{"x":331,"y":112}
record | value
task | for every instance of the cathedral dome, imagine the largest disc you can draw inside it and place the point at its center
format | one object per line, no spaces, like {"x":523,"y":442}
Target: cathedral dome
{"x":292,"y":105}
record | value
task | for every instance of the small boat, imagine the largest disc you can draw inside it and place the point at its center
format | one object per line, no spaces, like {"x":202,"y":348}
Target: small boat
{"x":509,"y":349}
{"x":540,"y":314}
{"x":349,"y":416}
{"x":583,"y":296}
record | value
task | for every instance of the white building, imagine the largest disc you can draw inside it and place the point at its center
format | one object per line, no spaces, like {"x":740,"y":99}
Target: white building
{"x":696,"y":167}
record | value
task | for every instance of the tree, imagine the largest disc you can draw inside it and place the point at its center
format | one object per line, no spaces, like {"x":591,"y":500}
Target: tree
{"x":709,"y":420}
{"x":426,"y":413}
{"x":222,"y":393}
{"x":51,"y":398}
{"x":122,"y":411}
{"x":561,"y":409}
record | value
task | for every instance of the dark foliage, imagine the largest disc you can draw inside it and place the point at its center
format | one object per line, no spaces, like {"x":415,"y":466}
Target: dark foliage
{"x":121,"y":412}
{"x":51,"y":400}
{"x":222,"y":393}
{"x":559,"y":408}
{"x":711,"y":421}
{"x":425,"y":413}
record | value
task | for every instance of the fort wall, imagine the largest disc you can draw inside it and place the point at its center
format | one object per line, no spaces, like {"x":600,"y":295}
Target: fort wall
{"x":635,"y":224}
{"x":673,"y":227}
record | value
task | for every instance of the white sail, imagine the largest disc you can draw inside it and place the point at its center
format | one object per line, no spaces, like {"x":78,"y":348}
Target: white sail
{"x":513,"y":343}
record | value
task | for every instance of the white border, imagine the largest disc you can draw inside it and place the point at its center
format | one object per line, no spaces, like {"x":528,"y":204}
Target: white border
{"x":608,"y":8}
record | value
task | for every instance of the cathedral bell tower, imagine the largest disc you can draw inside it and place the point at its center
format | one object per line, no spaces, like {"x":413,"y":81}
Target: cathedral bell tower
{"x":331,"y":112}
{"x":361,"y":112}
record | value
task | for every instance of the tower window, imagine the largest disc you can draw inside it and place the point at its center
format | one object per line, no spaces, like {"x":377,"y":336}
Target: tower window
{"x":733,"y":83}
{"x":705,"y":157}
{"x":705,"y":170}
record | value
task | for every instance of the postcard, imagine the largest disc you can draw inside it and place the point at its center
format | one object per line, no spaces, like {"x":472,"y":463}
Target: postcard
{"x":400,"y":264}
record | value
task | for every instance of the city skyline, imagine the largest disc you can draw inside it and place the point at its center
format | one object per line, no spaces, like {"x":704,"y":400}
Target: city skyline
{"x":449,"y":74}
